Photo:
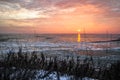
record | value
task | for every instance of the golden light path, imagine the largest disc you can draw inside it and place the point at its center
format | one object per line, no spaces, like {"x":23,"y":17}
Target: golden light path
{"x":79,"y":37}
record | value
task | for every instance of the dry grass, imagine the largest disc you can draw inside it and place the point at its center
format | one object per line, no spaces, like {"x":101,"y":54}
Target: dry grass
{"x":23,"y":66}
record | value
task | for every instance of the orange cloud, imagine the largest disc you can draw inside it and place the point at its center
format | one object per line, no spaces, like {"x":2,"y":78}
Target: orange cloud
{"x":60,"y":16}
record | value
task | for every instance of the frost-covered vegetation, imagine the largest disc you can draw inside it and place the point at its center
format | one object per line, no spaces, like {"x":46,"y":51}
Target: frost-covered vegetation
{"x":37,"y":66}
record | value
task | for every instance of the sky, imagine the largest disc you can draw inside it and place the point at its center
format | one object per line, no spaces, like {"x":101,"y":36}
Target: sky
{"x":59,"y":16}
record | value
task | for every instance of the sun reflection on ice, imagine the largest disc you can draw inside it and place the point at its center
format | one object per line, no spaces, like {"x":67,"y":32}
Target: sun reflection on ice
{"x":79,"y":37}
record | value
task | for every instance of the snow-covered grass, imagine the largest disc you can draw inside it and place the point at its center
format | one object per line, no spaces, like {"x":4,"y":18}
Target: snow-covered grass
{"x":27,"y":65}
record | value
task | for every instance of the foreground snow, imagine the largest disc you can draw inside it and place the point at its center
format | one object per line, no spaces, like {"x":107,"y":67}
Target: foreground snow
{"x":53,"y":76}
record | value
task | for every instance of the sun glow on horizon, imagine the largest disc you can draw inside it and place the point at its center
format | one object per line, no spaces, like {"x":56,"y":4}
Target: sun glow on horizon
{"x":78,"y":30}
{"x":60,"y":16}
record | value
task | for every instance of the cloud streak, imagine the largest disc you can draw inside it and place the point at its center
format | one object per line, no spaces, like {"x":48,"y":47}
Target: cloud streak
{"x":43,"y":8}
{"x":47,"y":13}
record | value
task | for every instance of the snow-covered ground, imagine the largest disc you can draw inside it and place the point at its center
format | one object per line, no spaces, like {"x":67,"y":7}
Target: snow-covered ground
{"x":105,"y":50}
{"x":43,"y":46}
{"x":53,"y":76}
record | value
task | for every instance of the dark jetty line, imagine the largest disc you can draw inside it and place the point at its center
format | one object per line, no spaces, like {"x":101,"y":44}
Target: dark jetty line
{"x":115,"y":40}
